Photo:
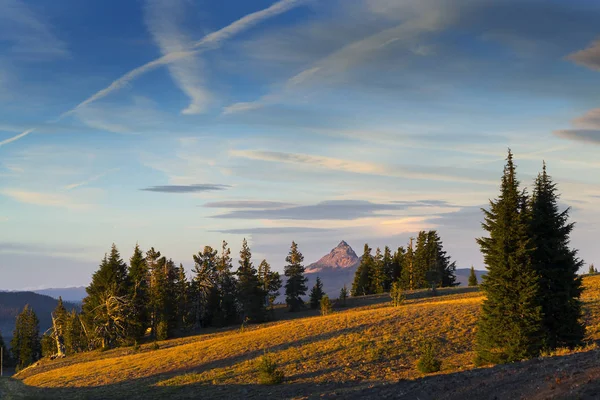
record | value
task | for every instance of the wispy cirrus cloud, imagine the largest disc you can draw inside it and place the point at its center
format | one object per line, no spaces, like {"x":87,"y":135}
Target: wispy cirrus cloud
{"x":197,"y":188}
{"x":164,"y":20}
{"x":32,"y":38}
{"x":247,"y":204}
{"x":90,"y":180}
{"x":346,"y":210}
{"x":46,"y":199}
{"x":361,"y":167}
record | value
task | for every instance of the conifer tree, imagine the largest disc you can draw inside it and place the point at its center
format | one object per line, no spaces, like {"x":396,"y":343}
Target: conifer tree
{"x":511,"y":318}
{"x":59,"y":327}
{"x":557,"y":266}
{"x":408,"y":268}
{"x":377,"y":274}
{"x":440,"y":261}
{"x":139,"y":318}
{"x":107,"y":306}
{"x":205,"y":289}
{"x":316,"y":294}
{"x":388,"y":269}
{"x":251,"y":295}
{"x":362,"y":277}
{"x":343,"y":296}
{"x":398,"y":262}
{"x":592,"y":270}
{"x":182,"y":300}
{"x":25,"y":344}
{"x":295,"y":286}
{"x":75,"y":338}
{"x":270,"y":282}
{"x":422,"y":262}
{"x":473,"y":277}
{"x":227,"y":286}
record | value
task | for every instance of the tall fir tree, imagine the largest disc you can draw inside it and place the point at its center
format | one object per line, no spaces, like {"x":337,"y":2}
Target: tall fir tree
{"x":316,"y":294}
{"x":7,"y":361}
{"x":421,"y":262}
{"x":205,"y":292}
{"x":557,"y":266}
{"x":182,"y":301}
{"x":295,"y":285}
{"x":59,"y":327}
{"x":25,"y":344}
{"x":75,"y":337}
{"x":227,"y":286}
{"x":473,"y":277}
{"x":362,"y":277}
{"x":377,"y":274}
{"x":398,"y":262}
{"x":139,"y":319}
{"x":251,"y":296}
{"x":270,"y":282}
{"x":106,"y":307}
{"x":440,"y":261}
{"x":407,"y":277}
{"x":511,"y":318}
{"x":388,"y":269}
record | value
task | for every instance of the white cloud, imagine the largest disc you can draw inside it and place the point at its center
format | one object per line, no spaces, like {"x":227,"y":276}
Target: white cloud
{"x":31,"y":37}
{"x":357,"y":167}
{"x":45,"y":199}
{"x":16,"y":137}
{"x":164,"y":19}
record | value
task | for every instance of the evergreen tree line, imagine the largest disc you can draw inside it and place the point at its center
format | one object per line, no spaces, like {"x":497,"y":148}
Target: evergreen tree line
{"x":152,"y":297}
{"x":425,"y":265}
{"x":532,"y":286}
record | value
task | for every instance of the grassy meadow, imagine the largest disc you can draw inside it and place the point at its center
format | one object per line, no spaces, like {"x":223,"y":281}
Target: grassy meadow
{"x":365,"y":344}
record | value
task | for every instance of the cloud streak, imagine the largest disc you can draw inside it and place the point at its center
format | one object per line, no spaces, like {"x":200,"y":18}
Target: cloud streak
{"x":247,"y":204}
{"x":163,"y":18}
{"x":357,"y":167}
{"x":589,"y":57}
{"x":16,"y":137}
{"x":201,"y":187}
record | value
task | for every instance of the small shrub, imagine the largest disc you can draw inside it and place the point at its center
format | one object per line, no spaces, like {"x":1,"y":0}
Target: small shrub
{"x":326,"y":306}
{"x":268,"y":373}
{"x":155,"y":346}
{"x":162,"y":331}
{"x":428,"y":362}
{"x":136,"y":346}
{"x":396,"y":294}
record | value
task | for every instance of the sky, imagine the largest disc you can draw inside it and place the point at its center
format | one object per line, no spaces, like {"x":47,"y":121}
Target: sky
{"x":177,"y":124}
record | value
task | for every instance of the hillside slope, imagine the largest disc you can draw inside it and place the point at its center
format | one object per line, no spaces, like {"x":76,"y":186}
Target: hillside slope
{"x":363,"y":352}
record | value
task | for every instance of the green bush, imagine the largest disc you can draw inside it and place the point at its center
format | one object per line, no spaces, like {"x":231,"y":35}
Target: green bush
{"x":428,"y":362}
{"x":396,"y":294}
{"x":326,"y":306}
{"x":268,"y":373}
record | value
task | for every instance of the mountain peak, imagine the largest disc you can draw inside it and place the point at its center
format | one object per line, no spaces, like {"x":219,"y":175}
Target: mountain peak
{"x":340,"y":257}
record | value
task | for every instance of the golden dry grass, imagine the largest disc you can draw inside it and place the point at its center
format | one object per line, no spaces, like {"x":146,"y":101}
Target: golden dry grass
{"x":374,"y":343}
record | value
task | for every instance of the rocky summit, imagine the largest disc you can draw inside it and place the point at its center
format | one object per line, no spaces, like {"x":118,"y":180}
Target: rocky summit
{"x":341,"y":257}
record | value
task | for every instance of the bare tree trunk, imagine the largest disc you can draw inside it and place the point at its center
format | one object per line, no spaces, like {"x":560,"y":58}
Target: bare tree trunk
{"x":58,"y":337}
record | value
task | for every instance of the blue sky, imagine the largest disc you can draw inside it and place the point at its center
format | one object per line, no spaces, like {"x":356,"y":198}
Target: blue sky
{"x":180,"y":123}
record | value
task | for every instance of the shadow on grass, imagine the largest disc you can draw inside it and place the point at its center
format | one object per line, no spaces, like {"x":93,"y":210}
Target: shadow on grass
{"x":570,"y":376}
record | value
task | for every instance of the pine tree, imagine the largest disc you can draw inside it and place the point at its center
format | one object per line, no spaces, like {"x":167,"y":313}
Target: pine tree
{"x":205,"y":289}
{"x":557,"y":266}
{"x":388,"y":269}
{"x":377,"y":274}
{"x":408,"y":268}
{"x":139,"y":319}
{"x":25,"y":344}
{"x":106,"y":307}
{"x":270,"y":282}
{"x":227,"y":287}
{"x":343,"y":296}
{"x":251,"y":295}
{"x":473,"y":277}
{"x":510,"y":322}
{"x":592,"y":270}
{"x":362,"y":277}
{"x":59,"y":327}
{"x":295,"y":286}
{"x":439,"y":261}
{"x":182,"y":300}
{"x":422,"y":262}
{"x":398,"y":262}
{"x":316,"y":294}
{"x":75,"y":338}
